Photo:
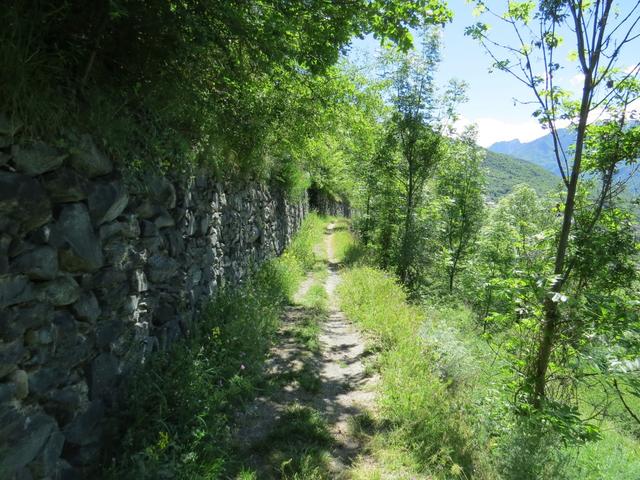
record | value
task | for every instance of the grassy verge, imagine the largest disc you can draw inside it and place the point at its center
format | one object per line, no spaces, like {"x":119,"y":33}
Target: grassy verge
{"x":428,"y":430}
{"x":176,"y":419}
{"x":297,"y":447}
{"x":444,"y":400}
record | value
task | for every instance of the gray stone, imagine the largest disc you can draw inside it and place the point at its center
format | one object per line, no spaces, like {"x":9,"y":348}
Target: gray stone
{"x":108,"y":230}
{"x":20,"y":246}
{"x":85,"y":428}
{"x":107,"y":332}
{"x":105,"y":371}
{"x":82,"y":251}
{"x":61,"y":291}
{"x":45,"y":379}
{"x":46,"y":464}
{"x":41,"y":235}
{"x":161,"y":191}
{"x":164,"y":313}
{"x":130,"y":226}
{"x":23,"y":435}
{"x":15,"y":289}
{"x":64,"y":403}
{"x":5,"y":243}
{"x":21,"y":381}
{"x":10,"y":355}
{"x":65,"y":331}
{"x":107,"y":201}
{"x":44,"y":336}
{"x":111,"y":288}
{"x":149,"y":229}
{"x":65,"y":185}
{"x":89,"y":160}
{"x":39,"y":264}
{"x":204,"y":225}
{"x":148,"y":210}
{"x":87,"y":308}
{"x":121,"y":255}
{"x":131,"y":305}
{"x":164,"y":220}
{"x":7,"y":392}
{"x":37,"y":158}
{"x":162,"y":268}
{"x":13,"y":323}
{"x":24,"y":202}
{"x":195,"y":275}
{"x":175,"y":242}
{"x":139,"y":281}
{"x":189,"y":223}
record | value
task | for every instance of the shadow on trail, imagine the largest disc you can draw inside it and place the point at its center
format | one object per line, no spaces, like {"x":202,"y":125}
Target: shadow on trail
{"x":316,"y":393}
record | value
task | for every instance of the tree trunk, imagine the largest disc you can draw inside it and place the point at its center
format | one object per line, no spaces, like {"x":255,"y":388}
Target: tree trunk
{"x":551,"y":312}
{"x":405,"y":255}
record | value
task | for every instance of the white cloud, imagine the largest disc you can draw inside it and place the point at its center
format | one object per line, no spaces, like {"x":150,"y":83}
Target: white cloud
{"x":492,"y":130}
{"x":577,"y":82}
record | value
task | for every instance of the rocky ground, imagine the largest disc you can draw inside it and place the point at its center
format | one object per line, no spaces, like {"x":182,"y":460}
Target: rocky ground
{"x":305,"y":425}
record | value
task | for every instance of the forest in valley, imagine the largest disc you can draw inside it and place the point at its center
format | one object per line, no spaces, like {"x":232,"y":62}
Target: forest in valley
{"x":499,"y":300}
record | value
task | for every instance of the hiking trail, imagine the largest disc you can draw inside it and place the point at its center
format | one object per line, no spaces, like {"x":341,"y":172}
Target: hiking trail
{"x":304,"y":420}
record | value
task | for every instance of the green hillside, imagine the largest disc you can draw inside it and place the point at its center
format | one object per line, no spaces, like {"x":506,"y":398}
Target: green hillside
{"x":505,"y":171}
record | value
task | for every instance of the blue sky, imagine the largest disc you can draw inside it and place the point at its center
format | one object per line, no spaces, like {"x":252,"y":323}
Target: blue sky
{"x":491,"y":105}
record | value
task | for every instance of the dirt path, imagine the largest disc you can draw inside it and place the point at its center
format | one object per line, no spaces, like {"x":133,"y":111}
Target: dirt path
{"x":330,"y":381}
{"x":347,"y":390}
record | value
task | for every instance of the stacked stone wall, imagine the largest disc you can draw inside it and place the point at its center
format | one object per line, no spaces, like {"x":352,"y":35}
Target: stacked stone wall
{"x":96,"y":275}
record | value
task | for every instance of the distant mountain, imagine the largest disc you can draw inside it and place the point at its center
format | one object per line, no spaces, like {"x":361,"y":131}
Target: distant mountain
{"x":504,"y":172}
{"x":539,"y":151}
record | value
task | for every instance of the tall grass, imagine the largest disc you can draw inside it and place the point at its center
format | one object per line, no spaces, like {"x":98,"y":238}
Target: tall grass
{"x":445,"y":403}
{"x":428,"y":418}
{"x":177,"y":417}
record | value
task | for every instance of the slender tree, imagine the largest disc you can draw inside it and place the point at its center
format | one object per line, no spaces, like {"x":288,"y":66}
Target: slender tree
{"x":415,"y":131}
{"x":600,"y":30}
{"x":460,"y":184}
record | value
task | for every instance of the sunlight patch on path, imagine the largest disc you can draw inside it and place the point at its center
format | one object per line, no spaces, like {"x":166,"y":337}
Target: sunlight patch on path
{"x":329,"y":386}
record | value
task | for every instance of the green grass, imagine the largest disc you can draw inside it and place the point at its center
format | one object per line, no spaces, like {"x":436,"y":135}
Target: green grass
{"x":428,"y":417}
{"x":303,"y":247}
{"x":176,"y":419}
{"x":444,"y":400}
{"x":316,"y":297}
{"x":297,"y":447}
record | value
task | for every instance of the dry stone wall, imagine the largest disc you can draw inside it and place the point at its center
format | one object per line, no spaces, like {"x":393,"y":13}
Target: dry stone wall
{"x":96,"y":275}
{"x":323,"y":203}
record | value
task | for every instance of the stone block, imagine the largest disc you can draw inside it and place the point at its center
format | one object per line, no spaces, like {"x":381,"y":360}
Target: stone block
{"x":162,"y":268}
{"x":36,"y":158}
{"x":40,"y":263}
{"x":65,"y":185}
{"x":45,"y":379}
{"x":80,"y":249}
{"x":23,"y":435}
{"x":105,"y":373}
{"x":87,"y":309}
{"x":59,"y":292}
{"x":107,"y":201}
{"x":24,"y":202}
{"x":89,"y":160}
{"x":15,"y":289}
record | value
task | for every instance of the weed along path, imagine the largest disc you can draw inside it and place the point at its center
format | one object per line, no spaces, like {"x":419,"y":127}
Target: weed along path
{"x":317,"y":390}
